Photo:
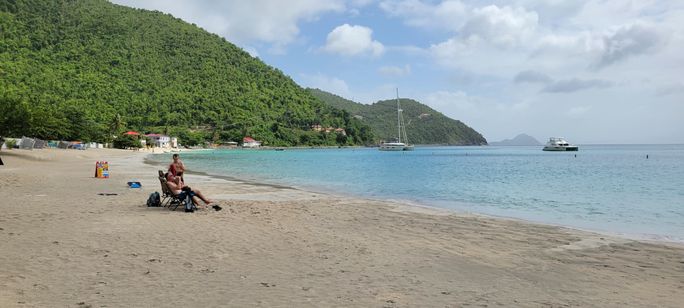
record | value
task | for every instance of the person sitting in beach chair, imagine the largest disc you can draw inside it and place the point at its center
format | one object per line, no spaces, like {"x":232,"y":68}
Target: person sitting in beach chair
{"x":177,"y":187}
{"x":168,"y":197}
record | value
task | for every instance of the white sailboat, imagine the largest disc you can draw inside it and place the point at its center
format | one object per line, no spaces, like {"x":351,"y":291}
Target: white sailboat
{"x":401,"y":129}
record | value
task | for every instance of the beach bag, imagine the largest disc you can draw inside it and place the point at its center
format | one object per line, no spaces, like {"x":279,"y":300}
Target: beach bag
{"x":154,"y":200}
{"x":186,"y":197}
{"x":189,"y":204}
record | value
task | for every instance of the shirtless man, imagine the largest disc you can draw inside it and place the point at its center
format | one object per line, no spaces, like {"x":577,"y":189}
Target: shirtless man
{"x":176,"y":185}
{"x":177,"y":167}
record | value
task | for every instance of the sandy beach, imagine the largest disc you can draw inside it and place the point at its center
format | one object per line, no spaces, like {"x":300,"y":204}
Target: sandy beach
{"x":68,"y":239}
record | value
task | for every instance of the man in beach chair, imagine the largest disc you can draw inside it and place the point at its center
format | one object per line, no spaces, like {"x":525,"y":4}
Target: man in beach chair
{"x":179,"y":190}
{"x":172,"y":199}
{"x":168,"y":197}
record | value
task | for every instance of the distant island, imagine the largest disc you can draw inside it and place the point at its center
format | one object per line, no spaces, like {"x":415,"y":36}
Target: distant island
{"x":424,"y":125}
{"x":519,"y":140}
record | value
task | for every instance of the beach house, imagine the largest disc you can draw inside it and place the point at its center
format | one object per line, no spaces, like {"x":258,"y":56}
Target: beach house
{"x":249,"y":142}
{"x":159,"y":141}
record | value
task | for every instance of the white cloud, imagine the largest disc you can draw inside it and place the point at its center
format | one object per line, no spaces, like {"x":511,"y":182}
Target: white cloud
{"x":495,"y":40}
{"x":531,"y":76}
{"x":351,"y":40}
{"x":326,"y":83}
{"x":670,"y":89}
{"x":575,"y":84}
{"x":395,"y":71}
{"x":500,"y":26}
{"x":361,"y":3}
{"x":452,"y":103}
{"x":553,"y":12}
{"x":445,"y":15}
{"x":557,"y":36}
{"x":628,"y":41}
{"x":246,"y":22}
{"x":252,"y":51}
{"x":578,"y":111}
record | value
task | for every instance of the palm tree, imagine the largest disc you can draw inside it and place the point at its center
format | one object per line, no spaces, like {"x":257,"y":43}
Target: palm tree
{"x":116,"y":125}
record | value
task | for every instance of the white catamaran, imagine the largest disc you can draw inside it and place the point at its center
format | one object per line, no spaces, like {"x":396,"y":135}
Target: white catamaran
{"x":559,"y":144}
{"x":401,"y":127}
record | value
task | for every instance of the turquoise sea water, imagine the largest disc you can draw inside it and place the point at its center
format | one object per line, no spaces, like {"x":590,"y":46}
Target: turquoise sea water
{"x":605,"y":188}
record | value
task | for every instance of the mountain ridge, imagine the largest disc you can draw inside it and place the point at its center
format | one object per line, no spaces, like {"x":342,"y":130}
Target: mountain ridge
{"x":86,"y":70}
{"x":519,"y":140}
{"x":424,"y":125}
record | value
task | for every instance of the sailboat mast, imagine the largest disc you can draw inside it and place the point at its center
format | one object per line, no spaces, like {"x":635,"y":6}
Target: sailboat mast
{"x":398,"y":117}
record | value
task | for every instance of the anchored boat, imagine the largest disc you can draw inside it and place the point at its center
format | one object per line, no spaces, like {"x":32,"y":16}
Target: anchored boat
{"x":559,"y":144}
{"x":401,"y":128}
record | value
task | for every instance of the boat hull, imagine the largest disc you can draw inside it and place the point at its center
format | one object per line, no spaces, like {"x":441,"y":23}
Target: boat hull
{"x":395,"y":147}
{"x":560,"y":148}
{"x":383,"y":148}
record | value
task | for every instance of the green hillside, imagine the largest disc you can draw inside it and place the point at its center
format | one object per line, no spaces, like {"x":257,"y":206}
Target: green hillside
{"x":424,"y":125}
{"x":89,"y":69}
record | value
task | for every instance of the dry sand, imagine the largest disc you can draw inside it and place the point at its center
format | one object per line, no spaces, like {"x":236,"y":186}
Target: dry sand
{"x":63,"y":245}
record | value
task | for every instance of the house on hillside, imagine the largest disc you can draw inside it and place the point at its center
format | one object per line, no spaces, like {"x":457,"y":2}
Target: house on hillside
{"x":159,"y":141}
{"x":249,"y":142}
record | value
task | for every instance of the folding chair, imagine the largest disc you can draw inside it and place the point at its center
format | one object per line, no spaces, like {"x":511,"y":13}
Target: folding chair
{"x":174,"y":200}
{"x":167,"y":194}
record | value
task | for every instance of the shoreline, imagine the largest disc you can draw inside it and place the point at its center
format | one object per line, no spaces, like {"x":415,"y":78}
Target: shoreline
{"x":426,"y":207}
{"x":97,"y":244}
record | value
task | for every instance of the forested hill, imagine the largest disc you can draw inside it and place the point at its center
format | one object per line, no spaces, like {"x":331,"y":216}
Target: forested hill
{"x":424,"y":125}
{"x":89,"y":69}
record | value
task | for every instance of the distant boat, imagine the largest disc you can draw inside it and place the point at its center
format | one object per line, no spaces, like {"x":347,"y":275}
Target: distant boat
{"x":401,"y":129}
{"x":559,"y":144}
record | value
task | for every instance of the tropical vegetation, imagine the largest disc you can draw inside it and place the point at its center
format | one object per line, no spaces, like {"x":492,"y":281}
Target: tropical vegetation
{"x":89,"y":70}
{"x":424,"y":125}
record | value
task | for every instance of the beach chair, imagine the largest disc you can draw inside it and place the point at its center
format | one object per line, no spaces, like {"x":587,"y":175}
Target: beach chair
{"x":167,"y":195}
{"x":173,"y":200}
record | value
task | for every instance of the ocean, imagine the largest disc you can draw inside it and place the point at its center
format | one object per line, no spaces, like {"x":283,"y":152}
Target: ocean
{"x":636,"y":191}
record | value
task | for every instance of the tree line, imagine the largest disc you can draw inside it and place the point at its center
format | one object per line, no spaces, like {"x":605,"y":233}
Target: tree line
{"x":89,"y":70}
{"x":424,"y":125}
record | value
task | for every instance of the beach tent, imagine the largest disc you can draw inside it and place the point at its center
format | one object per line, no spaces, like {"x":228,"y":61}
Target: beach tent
{"x":39,"y":144}
{"x":26,"y":143}
{"x":63,"y":145}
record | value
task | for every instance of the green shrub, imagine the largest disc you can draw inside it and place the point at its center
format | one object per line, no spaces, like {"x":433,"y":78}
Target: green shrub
{"x":126,"y":142}
{"x":10,"y":143}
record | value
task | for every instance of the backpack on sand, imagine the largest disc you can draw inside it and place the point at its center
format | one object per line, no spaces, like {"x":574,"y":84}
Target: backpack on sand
{"x":154,"y":200}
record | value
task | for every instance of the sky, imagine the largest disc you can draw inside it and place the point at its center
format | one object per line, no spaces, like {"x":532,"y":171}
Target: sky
{"x":592,"y":71}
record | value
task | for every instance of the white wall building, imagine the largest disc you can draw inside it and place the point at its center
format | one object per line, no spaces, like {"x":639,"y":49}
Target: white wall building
{"x":160,"y":141}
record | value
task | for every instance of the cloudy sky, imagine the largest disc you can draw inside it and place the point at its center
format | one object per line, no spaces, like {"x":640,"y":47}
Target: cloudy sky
{"x":594,"y":71}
